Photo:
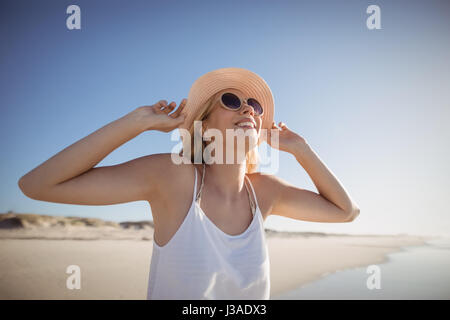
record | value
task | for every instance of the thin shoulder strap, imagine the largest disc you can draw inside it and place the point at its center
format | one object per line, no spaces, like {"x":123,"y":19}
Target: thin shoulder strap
{"x":199,"y":194}
{"x":195,"y":184}
{"x":253,"y":191}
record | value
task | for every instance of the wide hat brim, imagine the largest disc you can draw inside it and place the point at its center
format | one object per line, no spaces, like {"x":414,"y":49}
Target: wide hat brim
{"x":251,"y":84}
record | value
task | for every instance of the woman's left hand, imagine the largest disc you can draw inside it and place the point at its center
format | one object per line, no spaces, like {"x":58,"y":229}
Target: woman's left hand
{"x":288,"y":140}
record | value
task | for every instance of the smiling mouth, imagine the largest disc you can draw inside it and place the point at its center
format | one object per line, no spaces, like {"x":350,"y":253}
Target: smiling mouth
{"x":245,"y":125}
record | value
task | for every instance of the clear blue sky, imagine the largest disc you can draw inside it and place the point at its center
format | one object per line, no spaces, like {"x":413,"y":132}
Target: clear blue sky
{"x":373,"y":104}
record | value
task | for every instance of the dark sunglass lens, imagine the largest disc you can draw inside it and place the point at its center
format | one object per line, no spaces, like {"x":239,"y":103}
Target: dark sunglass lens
{"x":256,"y":106}
{"x":231,"y":101}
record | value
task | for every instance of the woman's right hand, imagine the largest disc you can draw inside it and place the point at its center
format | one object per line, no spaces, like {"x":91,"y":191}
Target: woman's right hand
{"x":157,"y":117}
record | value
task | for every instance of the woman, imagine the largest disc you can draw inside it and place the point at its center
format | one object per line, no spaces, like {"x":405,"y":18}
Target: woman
{"x":209,"y":240}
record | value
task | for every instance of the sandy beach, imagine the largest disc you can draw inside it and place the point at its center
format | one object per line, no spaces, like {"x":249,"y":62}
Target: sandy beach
{"x":115,"y":259}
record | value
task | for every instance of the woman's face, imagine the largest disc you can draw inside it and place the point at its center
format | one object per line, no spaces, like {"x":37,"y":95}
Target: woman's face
{"x":222,"y":119}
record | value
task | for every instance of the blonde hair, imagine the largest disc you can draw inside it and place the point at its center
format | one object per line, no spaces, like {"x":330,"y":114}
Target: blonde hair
{"x":251,"y":158}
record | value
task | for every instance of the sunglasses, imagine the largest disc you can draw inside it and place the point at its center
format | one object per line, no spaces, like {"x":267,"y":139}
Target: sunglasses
{"x":232,"y":102}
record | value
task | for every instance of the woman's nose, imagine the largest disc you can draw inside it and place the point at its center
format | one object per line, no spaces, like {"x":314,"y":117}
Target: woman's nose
{"x":246,"y":108}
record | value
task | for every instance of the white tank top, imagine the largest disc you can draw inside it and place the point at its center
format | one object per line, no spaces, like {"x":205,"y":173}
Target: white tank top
{"x":202,"y":262}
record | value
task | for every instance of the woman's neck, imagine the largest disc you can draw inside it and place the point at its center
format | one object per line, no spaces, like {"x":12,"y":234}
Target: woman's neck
{"x":227,"y":180}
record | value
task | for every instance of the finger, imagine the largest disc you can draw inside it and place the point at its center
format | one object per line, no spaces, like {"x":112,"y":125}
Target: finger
{"x":180,"y":108}
{"x":160,"y":105}
{"x":170,"y":107}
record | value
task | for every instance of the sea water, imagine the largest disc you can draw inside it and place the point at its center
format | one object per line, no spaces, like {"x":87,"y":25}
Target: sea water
{"x":416,"y":272}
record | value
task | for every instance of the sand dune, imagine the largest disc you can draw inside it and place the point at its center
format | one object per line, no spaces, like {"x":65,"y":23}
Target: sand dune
{"x":36,"y":226}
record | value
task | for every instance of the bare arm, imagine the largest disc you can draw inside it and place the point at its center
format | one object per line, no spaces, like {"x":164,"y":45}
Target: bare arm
{"x":331,"y":204}
{"x":70,"y":176}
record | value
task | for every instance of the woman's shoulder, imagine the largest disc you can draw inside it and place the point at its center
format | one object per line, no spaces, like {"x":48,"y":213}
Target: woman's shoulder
{"x":167,"y":176}
{"x":264,"y":185}
{"x":170,"y":167}
{"x":261,"y":177}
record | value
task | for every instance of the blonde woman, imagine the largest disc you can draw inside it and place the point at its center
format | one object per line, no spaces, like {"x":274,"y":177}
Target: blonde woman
{"x":209,"y":240}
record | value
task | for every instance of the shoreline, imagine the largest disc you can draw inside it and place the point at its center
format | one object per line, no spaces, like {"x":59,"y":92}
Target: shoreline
{"x":418,"y":259}
{"x":376,"y":254}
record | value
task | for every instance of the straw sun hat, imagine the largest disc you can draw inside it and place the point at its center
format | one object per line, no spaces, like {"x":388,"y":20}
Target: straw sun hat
{"x":251,"y":84}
